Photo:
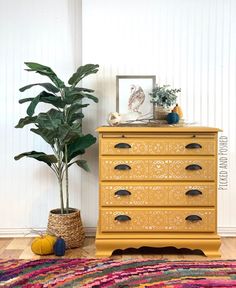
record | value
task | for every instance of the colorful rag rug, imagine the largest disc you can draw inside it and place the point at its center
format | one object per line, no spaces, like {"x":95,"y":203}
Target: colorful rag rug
{"x":112,"y":273}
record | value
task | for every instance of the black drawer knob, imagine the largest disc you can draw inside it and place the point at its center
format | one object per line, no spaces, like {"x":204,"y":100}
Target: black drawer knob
{"x":122,"y":218}
{"x":193,"y":167}
{"x":122,"y":193}
{"x":122,"y":167}
{"x":193,"y":146}
{"x":193,"y":218}
{"x":193,"y":192}
{"x":122,"y":145}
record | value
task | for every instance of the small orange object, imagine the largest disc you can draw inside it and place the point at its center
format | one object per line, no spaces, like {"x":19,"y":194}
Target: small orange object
{"x":177,"y":109}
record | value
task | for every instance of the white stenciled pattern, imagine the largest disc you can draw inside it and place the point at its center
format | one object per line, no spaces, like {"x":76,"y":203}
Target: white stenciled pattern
{"x":157,"y":195}
{"x":157,"y":169}
{"x":158,"y":146}
{"x":158,"y":220}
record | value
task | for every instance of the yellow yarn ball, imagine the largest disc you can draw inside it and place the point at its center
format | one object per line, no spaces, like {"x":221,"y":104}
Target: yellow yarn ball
{"x":43,"y":245}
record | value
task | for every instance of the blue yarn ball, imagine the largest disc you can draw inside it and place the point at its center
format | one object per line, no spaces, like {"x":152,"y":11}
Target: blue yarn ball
{"x":59,"y":247}
{"x":172,"y":118}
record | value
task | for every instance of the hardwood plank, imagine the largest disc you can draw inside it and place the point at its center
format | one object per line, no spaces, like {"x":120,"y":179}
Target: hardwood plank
{"x":11,"y":253}
{"x":28,"y":254}
{"x":4,"y":242}
{"x":19,"y":248}
{"x":19,"y":243}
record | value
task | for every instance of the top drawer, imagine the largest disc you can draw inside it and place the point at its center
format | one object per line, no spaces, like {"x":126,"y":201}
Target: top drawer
{"x":159,"y":145}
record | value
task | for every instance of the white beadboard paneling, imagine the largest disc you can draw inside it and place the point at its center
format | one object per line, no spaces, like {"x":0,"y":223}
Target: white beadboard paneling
{"x":185,"y":43}
{"x":48,"y":32}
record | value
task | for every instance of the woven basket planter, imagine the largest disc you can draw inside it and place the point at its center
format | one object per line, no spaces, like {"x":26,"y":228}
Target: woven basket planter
{"x":160,"y":112}
{"x":68,"y":226}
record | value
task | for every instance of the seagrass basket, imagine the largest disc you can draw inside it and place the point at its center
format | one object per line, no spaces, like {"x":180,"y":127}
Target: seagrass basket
{"x":160,"y":112}
{"x":68,"y":226}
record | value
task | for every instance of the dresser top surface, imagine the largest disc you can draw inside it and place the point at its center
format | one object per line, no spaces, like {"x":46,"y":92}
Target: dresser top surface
{"x":161,"y":129}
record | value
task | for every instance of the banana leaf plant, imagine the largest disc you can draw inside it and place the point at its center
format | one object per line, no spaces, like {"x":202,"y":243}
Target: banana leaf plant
{"x":61,"y":125}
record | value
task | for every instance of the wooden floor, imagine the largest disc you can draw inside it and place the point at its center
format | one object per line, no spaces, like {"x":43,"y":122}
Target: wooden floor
{"x":19,"y":248}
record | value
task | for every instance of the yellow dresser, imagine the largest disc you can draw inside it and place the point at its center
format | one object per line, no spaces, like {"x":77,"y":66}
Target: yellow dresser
{"x":157,"y":188}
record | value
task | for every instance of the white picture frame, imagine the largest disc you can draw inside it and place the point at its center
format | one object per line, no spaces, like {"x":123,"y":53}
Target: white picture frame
{"x":132,"y":94}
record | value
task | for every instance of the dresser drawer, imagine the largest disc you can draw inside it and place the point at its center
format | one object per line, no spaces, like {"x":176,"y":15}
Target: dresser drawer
{"x":158,"y":146}
{"x":157,"y":168}
{"x":149,"y":194}
{"x":157,"y":220}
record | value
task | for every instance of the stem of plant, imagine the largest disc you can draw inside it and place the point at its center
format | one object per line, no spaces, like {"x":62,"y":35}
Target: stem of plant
{"x":60,"y":176}
{"x":67,"y":180}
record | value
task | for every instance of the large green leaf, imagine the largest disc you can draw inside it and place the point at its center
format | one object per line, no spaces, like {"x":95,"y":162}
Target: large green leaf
{"x":25,"y":121}
{"x":75,"y":117}
{"x":81,"y":89}
{"x":47,"y":134}
{"x":21,"y":101}
{"x":51,"y":119}
{"x":44,"y":97}
{"x":74,"y":98}
{"x":74,"y":154}
{"x":72,"y":95}
{"x":74,"y":108}
{"x":81,"y":163}
{"x":92,"y":97}
{"x":84,"y":95}
{"x":74,"y":149}
{"x":67,"y":134}
{"x":40,"y":156}
{"x":82,"y":72}
{"x":45,"y":71}
{"x":31,"y":108}
{"x":51,"y":99}
{"x":47,"y":86}
{"x":74,"y":112}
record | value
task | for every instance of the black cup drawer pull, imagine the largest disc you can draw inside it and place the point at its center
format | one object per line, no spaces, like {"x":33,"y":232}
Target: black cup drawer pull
{"x":122,"y":167}
{"x":122,"y":145}
{"x":122,"y":193}
{"x":193,"y":192}
{"x":122,"y":218}
{"x":193,"y":167}
{"x":193,"y":146}
{"x":193,"y":218}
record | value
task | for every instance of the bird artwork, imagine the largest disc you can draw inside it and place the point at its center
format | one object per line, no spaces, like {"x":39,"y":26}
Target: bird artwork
{"x":136,"y":99}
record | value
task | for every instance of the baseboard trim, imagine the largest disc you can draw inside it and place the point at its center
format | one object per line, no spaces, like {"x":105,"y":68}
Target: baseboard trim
{"x":89,"y":232}
{"x":32,"y":232}
{"x":227,"y":231}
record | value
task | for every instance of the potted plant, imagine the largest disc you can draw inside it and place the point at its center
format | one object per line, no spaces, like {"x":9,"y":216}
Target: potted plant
{"x":61,"y":128}
{"x":163,"y":98}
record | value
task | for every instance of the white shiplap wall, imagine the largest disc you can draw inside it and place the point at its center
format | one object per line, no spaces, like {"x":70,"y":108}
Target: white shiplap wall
{"x":186,"y":43}
{"x":48,"y":32}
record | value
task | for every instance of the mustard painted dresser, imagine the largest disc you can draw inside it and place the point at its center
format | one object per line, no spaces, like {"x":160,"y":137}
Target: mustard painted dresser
{"x":157,"y":188}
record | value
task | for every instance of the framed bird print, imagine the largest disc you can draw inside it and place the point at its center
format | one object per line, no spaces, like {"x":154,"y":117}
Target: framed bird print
{"x":132,"y":95}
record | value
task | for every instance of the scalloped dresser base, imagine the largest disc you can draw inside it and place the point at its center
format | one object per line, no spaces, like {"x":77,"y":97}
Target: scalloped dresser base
{"x":209,"y":245}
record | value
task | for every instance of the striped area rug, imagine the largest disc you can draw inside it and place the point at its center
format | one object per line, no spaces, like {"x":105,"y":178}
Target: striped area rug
{"x":112,"y":273}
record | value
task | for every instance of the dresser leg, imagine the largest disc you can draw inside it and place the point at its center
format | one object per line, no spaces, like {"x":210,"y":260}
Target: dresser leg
{"x":211,"y":247}
{"x":212,"y":253}
{"x":103,"y":249}
{"x":103,"y":253}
